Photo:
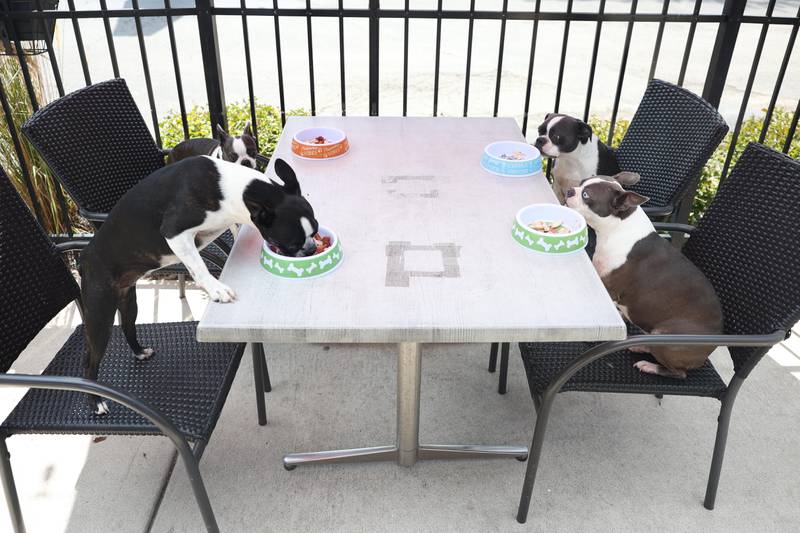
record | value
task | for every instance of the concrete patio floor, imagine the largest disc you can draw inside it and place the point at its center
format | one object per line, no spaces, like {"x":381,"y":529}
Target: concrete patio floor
{"x":610,"y":463}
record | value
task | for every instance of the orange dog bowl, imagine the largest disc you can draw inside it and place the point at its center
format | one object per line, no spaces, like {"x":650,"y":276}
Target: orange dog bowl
{"x":320,"y":143}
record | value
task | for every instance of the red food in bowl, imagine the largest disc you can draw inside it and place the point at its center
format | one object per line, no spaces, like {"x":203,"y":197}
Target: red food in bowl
{"x":323,"y":243}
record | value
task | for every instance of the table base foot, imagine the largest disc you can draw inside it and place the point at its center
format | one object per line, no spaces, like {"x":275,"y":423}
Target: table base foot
{"x":353,"y":455}
{"x":392,"y":453}
{"x":470,"y":451}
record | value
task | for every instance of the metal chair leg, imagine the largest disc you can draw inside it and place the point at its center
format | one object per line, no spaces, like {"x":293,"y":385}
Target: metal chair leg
{"x":181,"y":286}
{"x":493,"y":357}
{"x":537,"y":402}
{"x":533,"y":458}
{"x":267,"y":382}
{"x":198,"y":487}
{"x":501,"y":386}
{"x":258,"y":349}
{"x":723,"y":422}
{"x":10,"y":488}
{"x":258,"y":374}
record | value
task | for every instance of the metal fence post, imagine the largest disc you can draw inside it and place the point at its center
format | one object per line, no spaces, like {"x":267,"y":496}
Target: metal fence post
{"x":374,"y":56}
{"x":718,"y":67}
{"x":722,"y":54}
{"x":209,"y":48}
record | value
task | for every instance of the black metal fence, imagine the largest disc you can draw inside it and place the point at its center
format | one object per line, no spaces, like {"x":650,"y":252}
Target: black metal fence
{"x":26,"y":27}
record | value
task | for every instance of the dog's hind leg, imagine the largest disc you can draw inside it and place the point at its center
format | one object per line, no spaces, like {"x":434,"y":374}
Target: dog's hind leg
{"x":99,"y":308}
{"x":128,"y":310}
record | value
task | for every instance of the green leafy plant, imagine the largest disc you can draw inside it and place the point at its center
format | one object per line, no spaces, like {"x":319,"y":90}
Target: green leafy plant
{"x":268,"y":124}
{"x":44,"y":186}
{"x":709,"y":179}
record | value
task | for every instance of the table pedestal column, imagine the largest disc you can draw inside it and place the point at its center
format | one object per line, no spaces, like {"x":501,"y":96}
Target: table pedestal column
{"x":408,"y":449}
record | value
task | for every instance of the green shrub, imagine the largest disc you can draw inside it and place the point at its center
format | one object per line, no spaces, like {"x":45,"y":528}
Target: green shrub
{"x":268,"y":122}
{"x":709,"y":178}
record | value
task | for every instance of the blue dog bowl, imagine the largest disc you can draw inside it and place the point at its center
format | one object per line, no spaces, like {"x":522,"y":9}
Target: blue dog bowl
{"x":499,"y":158}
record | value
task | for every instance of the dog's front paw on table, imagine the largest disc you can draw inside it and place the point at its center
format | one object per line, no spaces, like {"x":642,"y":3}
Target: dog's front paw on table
{"x":219,"y":292}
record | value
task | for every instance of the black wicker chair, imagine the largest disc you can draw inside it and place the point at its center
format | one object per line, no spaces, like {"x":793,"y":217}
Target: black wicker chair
{"x":670,"y":139}
{"x":747,"y":246}
{"x":98,"y":146}
{"x":179,"y":393}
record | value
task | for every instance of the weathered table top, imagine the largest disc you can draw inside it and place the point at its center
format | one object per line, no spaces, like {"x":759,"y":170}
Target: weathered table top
{"x":428,"y":252}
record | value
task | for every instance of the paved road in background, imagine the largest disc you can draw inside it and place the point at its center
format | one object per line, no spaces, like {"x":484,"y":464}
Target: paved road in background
{"x":421,"y":59}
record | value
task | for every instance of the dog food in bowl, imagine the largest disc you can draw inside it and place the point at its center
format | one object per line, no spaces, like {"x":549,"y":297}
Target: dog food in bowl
{"x":320,"y":143}
{"x":553,"y":227}
{"x":327,"y":258}
{"x":323,"y":243}
{"x":550,"y":229}
{"x":515,"y":156}
{"x":511,"y":159}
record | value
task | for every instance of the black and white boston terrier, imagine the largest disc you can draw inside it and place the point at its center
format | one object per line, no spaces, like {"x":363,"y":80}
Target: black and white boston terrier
{"x":579,"y":154}
{"x":167,"y":218}
{"x":240,"y":149}
{"x":654,"y":285}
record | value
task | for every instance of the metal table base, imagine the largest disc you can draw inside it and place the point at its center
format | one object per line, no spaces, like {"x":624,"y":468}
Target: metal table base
{"x":408,"y":449}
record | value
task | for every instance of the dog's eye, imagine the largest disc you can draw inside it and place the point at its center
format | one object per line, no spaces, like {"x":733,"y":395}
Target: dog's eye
{"x":556,"y":139}
{"x":585,"y":195}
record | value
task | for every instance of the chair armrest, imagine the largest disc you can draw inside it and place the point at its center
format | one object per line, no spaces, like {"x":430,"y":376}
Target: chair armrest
{"x":68,"y":246}
{"x":92,"y":216}
{"x":674,"y":227}
{"x":658,"y":210}
{"x":92,"y":387}
{"x":262,"y":159}
{"x":603,"y":349}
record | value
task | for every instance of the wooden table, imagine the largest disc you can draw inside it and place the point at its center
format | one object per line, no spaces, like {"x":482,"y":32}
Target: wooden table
{"x":428,"y":258}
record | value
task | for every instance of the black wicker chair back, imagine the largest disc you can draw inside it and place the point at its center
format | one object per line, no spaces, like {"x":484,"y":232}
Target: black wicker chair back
{"x":755,"y":268}
{"x":96,"y":143}
{"x":35,"y":283}
{"x":669,"y":140}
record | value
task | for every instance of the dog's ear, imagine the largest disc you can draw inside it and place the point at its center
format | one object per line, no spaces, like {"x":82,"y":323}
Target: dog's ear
{"x":260,"y":198}
{"x":626,"y":178}
{"x":247,"y":130}
{"x":584,"y":132}
{"x":549,"y":116}
{"x":287,"y":175}
{"x":221,"y":134}
{"x":628,"y":200}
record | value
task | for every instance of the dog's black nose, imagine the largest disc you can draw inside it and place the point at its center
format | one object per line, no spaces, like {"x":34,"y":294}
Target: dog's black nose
{"x":570,"y":192}
{"x":540,"y":142}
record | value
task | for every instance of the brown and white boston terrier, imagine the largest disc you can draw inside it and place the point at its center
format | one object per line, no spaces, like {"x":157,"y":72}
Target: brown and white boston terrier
{"x":654,"y":285}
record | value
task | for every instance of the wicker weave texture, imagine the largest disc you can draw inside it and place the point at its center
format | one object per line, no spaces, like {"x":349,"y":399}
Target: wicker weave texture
{"x":612,"y":373}
{"x":96,"y":143}
{"x":748,"y":245}
{"x":185,"y":381}
{"x":35,"y":284}
{"x":669,"y":140}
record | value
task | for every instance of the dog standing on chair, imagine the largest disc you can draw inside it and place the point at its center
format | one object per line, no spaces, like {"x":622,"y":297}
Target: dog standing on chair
{"x":167,"y":218}
{"x":240,"y":149}
{"x":579,"y":154}
{"x":653,"y":285}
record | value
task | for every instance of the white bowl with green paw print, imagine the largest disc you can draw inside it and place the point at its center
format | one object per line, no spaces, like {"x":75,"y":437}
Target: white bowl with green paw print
{"x":312,"y":266}
{"x":560,"y":230}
